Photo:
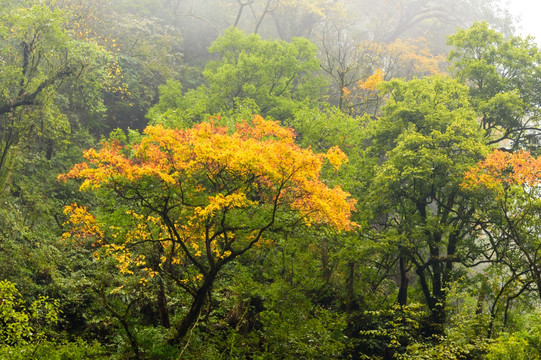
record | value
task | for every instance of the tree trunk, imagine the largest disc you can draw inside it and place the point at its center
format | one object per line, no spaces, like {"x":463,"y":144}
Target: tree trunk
{"x":435,"y":300}
{"x":404,"y":282}
{"x":162,"y":306}
{"x":325,"y":261}
{"x":350,"y":281}
{"x":192,"y":316}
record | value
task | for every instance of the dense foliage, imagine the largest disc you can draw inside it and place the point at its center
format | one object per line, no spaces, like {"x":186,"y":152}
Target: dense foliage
{"x":267,"y":179}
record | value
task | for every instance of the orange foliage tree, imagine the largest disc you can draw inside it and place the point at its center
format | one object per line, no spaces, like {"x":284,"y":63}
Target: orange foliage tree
{"x":501,"y":170}
{"x":510,"y":215}
{"x":400,"y":59}
{"x":202,"y":197}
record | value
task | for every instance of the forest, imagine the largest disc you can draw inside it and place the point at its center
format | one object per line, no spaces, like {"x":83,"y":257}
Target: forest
{"x":268,"y":179}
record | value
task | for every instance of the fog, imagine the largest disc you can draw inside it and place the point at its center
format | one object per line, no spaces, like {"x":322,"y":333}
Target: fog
{"x":527,"y":17}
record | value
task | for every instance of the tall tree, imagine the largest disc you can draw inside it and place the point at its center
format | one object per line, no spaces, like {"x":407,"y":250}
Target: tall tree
{"x":204,"y":198}
{"x":502,"y":74}
{"x":43,"y":64}
{"x":509,"y":215}
{"x":274,"y":78}
{"x":421,"y":147}
{"x":430,"y":19}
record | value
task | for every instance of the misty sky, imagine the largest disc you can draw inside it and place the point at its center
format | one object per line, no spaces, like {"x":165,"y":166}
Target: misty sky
{"x":529,"y":11}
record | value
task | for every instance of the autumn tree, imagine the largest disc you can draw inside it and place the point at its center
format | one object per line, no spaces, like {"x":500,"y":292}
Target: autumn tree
{"x":203,"y":197}
{"x":509,"y":217}
{"x":342,"y":58}
{"x":405,"y":59}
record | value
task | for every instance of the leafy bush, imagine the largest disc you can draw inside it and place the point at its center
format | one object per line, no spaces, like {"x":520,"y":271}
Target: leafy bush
{"x":47,"y":350}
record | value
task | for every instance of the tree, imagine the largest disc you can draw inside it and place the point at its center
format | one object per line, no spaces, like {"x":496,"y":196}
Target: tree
{"x":51,"y":81}
{"x":433,"y":20}
{"x":44,"y":66}
{"x":502,"y":74}
{"x":419,"y":149}
{"x":274,"y":78}
{"x":301,"y":17}
{"x":201,"y":198}
{"x":277,"y":75}
{"x":147,"y":53}
{"x":510,"y":214}
{"x":343,"y":258}
{"x":379,"y":61}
